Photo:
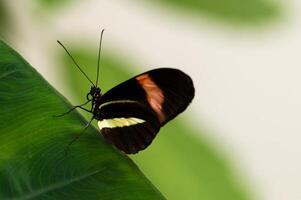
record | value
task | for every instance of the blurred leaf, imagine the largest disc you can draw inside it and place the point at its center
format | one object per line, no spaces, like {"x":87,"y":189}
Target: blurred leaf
{"x":32,"y":144}
{"x":234,"y":11}
{"x":54,"y":4}
{"x":179,"y":163}
{"x":4,"y":19}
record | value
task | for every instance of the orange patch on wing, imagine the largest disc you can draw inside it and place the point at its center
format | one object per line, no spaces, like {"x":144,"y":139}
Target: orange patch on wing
{"x":154,"y":94}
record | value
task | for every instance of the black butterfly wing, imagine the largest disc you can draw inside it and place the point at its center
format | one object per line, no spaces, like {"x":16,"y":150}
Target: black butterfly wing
{"x":129,"y":125}
{"x":141,"y":105}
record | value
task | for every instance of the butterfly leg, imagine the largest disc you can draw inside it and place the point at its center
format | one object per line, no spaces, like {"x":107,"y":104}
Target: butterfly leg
{"x":73,"y":108}
{"x":77,"y":137}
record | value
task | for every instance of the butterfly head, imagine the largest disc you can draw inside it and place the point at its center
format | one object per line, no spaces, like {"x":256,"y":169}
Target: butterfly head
{"x":94,"y":94}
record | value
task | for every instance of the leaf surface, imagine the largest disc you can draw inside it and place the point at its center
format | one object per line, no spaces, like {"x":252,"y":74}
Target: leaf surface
{"x":33,"y":164}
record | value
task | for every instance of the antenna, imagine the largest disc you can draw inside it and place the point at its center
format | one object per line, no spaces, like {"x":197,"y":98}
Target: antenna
{"x":99,"y":51}
{"x":75,"y":62}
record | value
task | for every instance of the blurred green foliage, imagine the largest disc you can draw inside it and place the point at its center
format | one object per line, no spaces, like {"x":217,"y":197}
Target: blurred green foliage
{"x":54,"y":4}
{"x":180,"y":161}
{"x":234,"y":11}
{"x":4,"y":18}
{"x":33,"y":163}
{"x":231,"y":11}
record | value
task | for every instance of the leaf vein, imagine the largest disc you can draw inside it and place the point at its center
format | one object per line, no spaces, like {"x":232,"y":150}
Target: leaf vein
{"x":58,"y":185}
{"x":8,"y":73}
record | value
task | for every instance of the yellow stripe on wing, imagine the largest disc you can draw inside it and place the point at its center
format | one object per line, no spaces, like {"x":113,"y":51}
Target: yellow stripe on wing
{"x":119,"y":122}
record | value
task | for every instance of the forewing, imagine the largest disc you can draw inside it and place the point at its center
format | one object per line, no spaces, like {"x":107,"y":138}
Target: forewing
{"x":166,"y":91}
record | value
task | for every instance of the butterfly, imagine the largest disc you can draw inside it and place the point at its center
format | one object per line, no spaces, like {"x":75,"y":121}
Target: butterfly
{"x":131,"y":114}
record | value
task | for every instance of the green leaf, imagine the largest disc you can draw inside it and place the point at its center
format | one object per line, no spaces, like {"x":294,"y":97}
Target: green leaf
{"x":233,"y":11}
{"x":180,"y":161}
{"x":33,"y":164}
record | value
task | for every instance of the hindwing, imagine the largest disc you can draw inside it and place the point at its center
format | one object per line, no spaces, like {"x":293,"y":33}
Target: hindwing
{"x":129,"y":125}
